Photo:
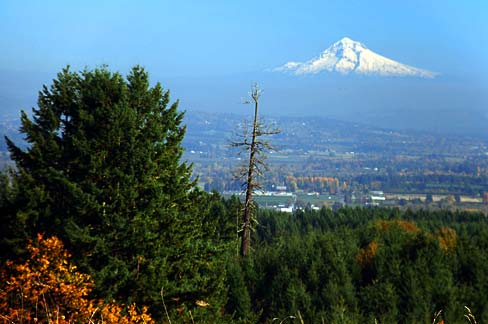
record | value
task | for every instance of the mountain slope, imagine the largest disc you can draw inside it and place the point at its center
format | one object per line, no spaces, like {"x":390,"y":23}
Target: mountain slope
{"x":348,"y":56}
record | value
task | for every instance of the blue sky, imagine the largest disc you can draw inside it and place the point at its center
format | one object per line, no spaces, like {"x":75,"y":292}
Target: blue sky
{"x":209,"y":52}
{"x":219,"y":37}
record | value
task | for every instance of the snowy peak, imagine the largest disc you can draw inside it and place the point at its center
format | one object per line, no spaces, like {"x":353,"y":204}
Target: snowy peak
{"x":347,"y":43}
{"x":348,"y":56}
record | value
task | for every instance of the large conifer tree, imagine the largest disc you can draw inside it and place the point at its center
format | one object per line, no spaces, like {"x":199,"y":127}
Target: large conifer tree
{"x":102,"y":171}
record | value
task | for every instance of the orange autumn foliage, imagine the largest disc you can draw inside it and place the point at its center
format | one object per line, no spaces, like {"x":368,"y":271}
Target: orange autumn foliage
{"x":47,"y":288}
{"x":406,"y":226}
{"x":366,"y":256}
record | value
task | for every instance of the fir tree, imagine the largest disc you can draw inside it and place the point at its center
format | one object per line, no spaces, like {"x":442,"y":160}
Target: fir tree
{"x":103,"y":173}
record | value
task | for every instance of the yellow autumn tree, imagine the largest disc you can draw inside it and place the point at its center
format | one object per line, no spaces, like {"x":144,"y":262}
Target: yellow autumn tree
{"x":447,"y":238}
{"x":47,"y":288}
{"x":366,"y":255}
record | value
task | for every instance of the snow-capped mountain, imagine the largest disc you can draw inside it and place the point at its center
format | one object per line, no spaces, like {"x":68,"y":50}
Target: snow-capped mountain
{"x":348,"y":56}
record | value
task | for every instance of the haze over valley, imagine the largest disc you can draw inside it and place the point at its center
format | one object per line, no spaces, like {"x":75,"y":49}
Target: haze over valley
{"x":348,"y":82}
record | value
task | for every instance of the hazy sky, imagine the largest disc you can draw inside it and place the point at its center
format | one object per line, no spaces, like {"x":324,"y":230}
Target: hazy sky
{"x":181,"y":38}
{"x":209,"y":52}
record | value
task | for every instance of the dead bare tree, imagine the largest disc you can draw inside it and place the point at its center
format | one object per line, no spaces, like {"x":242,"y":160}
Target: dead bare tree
{"x":254,"y":143}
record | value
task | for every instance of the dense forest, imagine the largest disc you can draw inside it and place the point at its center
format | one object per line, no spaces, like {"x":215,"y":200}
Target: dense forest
{"x":102,"y":223}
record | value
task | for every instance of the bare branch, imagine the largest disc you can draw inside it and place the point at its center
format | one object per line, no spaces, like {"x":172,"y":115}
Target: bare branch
{"x":250,"y":140}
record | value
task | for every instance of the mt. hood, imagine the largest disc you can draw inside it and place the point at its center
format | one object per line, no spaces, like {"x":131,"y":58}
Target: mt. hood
{"x":348,"y":56}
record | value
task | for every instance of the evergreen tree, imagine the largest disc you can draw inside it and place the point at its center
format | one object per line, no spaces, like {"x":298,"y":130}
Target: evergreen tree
{"x":11,"y":229}
{"x":103,"y":173}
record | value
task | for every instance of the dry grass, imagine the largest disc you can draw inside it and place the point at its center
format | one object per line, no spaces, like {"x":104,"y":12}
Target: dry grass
{"x":469,"y":316}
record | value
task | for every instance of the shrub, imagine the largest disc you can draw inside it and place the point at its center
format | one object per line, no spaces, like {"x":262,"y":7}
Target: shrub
{"x":47,"y":288}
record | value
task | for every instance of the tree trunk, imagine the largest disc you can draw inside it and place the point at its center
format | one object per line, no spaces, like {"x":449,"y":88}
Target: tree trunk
{"x":246,"y":231}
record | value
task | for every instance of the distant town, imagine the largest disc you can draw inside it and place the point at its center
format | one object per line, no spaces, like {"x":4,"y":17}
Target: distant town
{"x":320,"y":162}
